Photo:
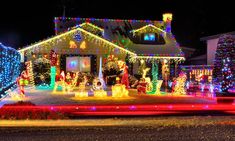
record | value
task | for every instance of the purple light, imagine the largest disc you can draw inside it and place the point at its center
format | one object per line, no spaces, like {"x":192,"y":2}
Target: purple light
{"x":132,"y":107}
{"x":93,"y":108}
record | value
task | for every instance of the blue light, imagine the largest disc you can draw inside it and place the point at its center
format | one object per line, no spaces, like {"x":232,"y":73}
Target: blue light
{"x":9,"y":67}
{"x":149,"y":37}
{"x":73,"y":64}
{"x":78,"y":37}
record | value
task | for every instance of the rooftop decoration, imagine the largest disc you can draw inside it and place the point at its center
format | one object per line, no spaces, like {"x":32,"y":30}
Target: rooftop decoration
{"x":54,"y":40}
{"x":167,"y":17}
{"x":92,"y":28}
{"x":78,"y":19}
{"x":147,"y":29}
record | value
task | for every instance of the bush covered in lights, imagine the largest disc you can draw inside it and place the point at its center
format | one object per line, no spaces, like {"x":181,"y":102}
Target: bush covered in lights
{"x":9,"y":68}
{"x":224,"y":64}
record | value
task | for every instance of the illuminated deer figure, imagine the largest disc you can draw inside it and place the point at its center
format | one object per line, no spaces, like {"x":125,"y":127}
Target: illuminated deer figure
{"x":147,"y":79}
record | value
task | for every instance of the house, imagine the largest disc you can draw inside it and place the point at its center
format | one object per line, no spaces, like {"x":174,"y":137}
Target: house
{"x":202,"y":66}
{"x":80,"y":42}
{"x":212,"y":42}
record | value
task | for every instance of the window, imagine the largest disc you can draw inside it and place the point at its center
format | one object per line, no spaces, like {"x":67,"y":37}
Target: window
{"x":149,"y":37}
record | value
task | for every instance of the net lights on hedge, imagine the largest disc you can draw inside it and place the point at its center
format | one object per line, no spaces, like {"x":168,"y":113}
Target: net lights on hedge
{"x":9,"y":68}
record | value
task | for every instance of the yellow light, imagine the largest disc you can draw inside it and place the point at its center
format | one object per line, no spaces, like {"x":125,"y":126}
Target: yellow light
{"x":29,"y":69}
{"x":81,"y":94}
{"x":147,"y":26}
{"x":159,"y":57}
{"x":94,"y":26}
{"x":179,"y":88}
{"x":142,"y":61}
{"x":167,"y":17}
{"x":119,"y":90}
{"x":83,"y":45}
{"x":100,"y":93}
{"x":73,"y":31}
{"x":72,"y":44}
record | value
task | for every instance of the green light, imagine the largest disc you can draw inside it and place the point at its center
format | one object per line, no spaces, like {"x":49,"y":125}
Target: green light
{"x":155,"y":78}
{"x":53,"y":75}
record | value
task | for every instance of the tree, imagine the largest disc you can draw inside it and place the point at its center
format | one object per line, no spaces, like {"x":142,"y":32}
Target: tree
{"x":224,"y":64}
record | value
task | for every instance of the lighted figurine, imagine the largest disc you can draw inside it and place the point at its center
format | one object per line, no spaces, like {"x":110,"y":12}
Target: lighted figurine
{"x":173,"y":84}
{"x":82,"y":89}
{"x":125,"y":79}
{"x":82,"y":85}
{"x":97,"y":88}
{"x":147,"y":79}
{"x":68,"y":78}
{"x":22,"y":81}
{"x":65,"y":87}
{"x":142,"y":86}
{"x":179,"y":88}
{"x":97,"y":85}
{"x":53,"y":58}
{"x":119,"y":90}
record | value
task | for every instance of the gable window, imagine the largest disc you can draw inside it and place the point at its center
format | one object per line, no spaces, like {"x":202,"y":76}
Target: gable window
{"x":149,"y":37}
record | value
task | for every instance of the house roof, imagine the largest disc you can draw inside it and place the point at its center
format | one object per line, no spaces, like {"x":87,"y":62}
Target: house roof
{"x":201,"y":57}
{"x":114,"y":28}
{"x":215,"y":36}
{"x":170,"y":48}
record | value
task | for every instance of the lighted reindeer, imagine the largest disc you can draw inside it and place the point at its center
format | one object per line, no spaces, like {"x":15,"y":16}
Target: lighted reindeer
{"x":147,"y":79}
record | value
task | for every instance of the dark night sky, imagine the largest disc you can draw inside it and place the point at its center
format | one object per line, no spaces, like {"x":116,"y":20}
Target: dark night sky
{"x":26,"y":22}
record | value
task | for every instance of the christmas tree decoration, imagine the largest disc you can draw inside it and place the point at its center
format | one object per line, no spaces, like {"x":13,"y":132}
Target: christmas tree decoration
{"x":224,"y":65}
{"x":53,"y":76}
{"x":42,"y":67}
{"x":154,"y":90}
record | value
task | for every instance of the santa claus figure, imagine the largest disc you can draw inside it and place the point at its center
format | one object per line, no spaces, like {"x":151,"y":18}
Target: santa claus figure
{"x":142,"y":86}
{"x":125,"y":79}
{"x":22,"y":81}
{"x":53,"y":58}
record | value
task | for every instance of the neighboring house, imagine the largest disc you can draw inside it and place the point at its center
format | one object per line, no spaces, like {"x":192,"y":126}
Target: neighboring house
{"x":202,"y":66}
{"x":198,"y":60}
{"x":212,"y":46}
{"x":188,"y":52}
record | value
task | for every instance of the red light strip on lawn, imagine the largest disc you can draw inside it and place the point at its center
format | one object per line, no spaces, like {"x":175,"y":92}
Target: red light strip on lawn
{"x":158,"y":107}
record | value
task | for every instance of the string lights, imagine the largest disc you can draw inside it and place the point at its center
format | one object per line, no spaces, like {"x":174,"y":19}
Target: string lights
{"x":224,"y":65}
{"x":9,"y":68}
{"x":148,"y":28}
